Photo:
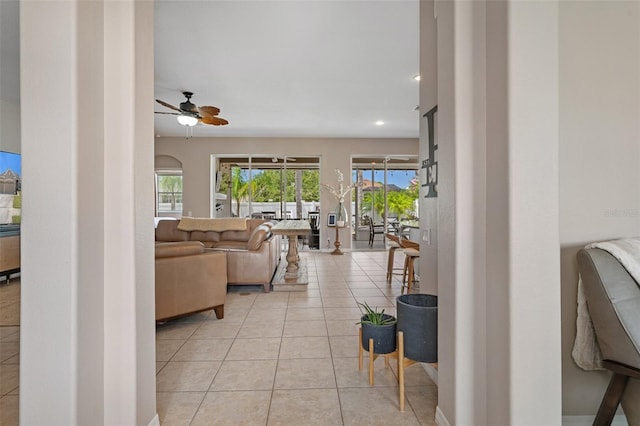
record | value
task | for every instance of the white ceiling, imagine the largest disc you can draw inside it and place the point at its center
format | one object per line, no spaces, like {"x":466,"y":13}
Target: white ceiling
{"x":293,"y":68}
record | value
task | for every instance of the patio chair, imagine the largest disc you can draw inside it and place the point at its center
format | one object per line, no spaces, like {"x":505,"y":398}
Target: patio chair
{"x":375,"y":230}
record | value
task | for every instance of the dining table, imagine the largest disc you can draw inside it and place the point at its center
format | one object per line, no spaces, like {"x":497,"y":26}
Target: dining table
{"x":295,"y":273}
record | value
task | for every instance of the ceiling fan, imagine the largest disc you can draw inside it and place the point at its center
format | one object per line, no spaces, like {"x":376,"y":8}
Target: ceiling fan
{"x":190,"y":114}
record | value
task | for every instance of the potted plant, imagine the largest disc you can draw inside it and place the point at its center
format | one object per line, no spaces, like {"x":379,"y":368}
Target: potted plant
{"x":378,"y":326}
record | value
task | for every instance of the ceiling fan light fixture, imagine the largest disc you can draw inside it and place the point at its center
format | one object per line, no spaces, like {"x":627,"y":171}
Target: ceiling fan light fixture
{"x":187,"y":120}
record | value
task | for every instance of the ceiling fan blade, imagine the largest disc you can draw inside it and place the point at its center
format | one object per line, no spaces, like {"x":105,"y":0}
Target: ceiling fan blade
{"x":163,"y":103}
{"x":214,"y":121}
{"x":169,"y":113}
{"x":208,"y":111}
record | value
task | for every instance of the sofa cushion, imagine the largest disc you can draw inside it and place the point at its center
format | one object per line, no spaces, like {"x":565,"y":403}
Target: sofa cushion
{"x":167,"y":230}
{"x":185,"y":248}
{"x":235,"y":235}
{"x":205,"y":237}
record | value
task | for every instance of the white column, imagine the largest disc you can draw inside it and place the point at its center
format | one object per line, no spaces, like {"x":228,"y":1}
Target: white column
{"x":49,"y":234}
{"x":498,"y":241}
{"x":87,"y":351}
{"x":143,"y":154}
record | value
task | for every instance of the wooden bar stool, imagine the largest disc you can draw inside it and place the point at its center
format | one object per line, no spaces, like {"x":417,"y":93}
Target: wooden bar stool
{"x":411,"y":253}
{"x":394,"y":244}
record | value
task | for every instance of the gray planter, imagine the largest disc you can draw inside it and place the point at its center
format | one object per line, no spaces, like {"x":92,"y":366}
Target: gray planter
{"x":418,"y":320}
{"x":384,"y":337}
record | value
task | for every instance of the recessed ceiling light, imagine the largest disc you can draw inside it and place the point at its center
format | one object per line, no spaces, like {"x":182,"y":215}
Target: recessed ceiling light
{"x":379,"y":123}
{"x":416,"y":77}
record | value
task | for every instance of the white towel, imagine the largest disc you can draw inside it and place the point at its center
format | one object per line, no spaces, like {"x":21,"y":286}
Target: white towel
{"x":586,"y":352}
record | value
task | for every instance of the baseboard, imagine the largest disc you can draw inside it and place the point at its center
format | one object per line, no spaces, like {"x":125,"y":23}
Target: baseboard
{"x":155,"y":421}
{"x":618,"y":420}
{"x":432,"y":371}
{"x":441,"y":419}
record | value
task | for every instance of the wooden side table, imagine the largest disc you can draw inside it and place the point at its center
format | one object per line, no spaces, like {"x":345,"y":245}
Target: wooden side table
{"x":337,"y":242}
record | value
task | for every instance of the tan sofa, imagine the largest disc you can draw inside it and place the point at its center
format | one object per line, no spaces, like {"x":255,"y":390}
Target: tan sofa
{"x":253,"y":253}
{"x":189,"y":279}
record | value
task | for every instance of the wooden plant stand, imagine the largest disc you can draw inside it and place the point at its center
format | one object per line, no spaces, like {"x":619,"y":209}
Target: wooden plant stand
{"x":398,"y":354}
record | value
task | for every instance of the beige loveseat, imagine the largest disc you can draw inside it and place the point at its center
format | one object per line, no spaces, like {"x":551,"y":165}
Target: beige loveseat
{"x":189,"y":279}
{"x":253,"y":252}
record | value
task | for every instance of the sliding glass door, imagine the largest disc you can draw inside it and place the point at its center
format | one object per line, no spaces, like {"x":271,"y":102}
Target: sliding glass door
{"x":388,"y":193}
{"x":266,"y":186}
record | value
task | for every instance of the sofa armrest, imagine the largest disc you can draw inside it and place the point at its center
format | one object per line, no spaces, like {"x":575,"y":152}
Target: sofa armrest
{"x":191,"y":283}
{"x":253,"y":266}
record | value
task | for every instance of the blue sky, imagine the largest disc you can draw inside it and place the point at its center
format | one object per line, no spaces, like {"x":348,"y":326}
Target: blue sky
{"x":9,"y":160}
{"x":400,"y":178}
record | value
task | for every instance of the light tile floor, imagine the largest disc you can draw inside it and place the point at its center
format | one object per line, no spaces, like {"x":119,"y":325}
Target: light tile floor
{"x":289,"y":358}
{"x":9,"y":374}
{"x":276,"y":358}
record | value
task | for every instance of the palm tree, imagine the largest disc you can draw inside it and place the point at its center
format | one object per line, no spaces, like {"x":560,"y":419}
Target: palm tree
{"x":239,"y":188}
{"x":378,"y":202}
{"x":399,"y":202}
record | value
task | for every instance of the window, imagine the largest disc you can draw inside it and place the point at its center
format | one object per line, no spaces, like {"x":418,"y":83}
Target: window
{"x":168,"y":191}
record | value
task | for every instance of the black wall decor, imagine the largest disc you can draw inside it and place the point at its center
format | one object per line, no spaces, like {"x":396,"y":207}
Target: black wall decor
{"x":431,"y":164}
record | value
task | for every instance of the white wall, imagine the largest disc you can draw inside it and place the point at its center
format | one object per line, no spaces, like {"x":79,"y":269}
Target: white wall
{"x":599,"y":153}
{"x":447,"y":401}
{"x":10,"y":76}
{"x":9,"y":126}
{"x":87,"y":351}
{"x":428,"y":99}
{"x":334,"y":154}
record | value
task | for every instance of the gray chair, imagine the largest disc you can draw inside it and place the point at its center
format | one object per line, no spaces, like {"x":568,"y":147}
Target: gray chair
{"x":613,"y":299}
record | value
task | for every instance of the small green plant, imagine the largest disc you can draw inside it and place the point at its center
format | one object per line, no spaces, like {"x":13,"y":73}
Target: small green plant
{"x":372,"y":316}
